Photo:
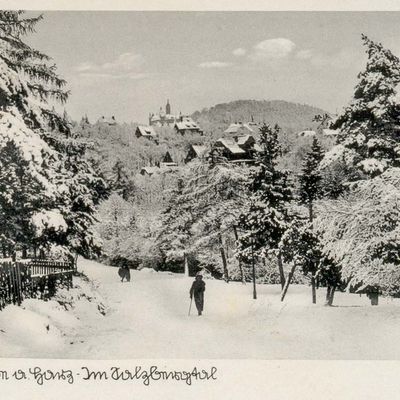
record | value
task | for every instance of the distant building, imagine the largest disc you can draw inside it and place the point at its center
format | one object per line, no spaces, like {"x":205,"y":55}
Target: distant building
{"x":167,"y":161}
{"x":182,"y":123}
{"x":167,"y":164}
{"x":240,"y":128}
{"x":242,"y":149}
{"x":230,"y":149}
{"x":196,"y":151}
{"x":107,"y":121}
{"x":187,"y":125}
{"x":147,"y":132}
{"x":163,"y":118}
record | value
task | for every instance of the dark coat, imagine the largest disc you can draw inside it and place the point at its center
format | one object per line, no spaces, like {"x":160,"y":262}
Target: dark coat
{"x":197,"y":290}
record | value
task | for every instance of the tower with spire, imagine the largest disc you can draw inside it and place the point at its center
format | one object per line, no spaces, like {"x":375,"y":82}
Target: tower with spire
{"x":168,"y":108}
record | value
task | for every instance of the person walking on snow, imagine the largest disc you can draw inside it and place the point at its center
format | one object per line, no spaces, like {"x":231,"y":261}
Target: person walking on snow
{"x":197,"y":290}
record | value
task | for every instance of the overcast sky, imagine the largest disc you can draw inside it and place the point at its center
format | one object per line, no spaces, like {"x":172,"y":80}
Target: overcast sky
{"x":128,"y":63}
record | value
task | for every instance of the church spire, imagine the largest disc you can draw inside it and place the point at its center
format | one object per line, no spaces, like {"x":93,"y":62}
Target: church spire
{"x":168,"y":108}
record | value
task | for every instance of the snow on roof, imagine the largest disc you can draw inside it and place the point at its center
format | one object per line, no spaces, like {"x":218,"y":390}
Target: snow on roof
{"x":231,"y":146}
{"x":109,"y":121}
{"x":236,"y":127}
{"x":168,"y":164}
{"x":330,"y":132}
{"x":187,"y":123}
{"x":244,"y":139}
{"x":306,"y":133}
{"x":146,"y":131}
{"x":199,"y":150}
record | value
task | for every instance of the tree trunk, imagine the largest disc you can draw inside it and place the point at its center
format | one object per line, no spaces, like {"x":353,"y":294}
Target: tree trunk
{"x":330,"y":293}
{"x":287,"y":283}
{"x":313,"y":290}
{"x":281,"y":272}
{"x":224,"y":263}
{"x":76,"y":262}
{"x":185,"y":265}
{"x":240,"y":263}
{"x":24,"y":253}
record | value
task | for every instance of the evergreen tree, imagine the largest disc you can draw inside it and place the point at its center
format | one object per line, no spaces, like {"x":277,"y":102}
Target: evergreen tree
{"x":360,"y":232}
{"x":120,"y":182}
{"x":266,"y":217}
{"x":216,"y":192}
{"x":301,"y":246}
{"x":64,"y":188}
{"x":175,"y":236}
{"x":369,"y":125}
{"x":310,"y":177}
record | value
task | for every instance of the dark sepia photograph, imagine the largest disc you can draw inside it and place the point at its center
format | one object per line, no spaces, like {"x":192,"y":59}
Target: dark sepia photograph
{"x":199,"y":185}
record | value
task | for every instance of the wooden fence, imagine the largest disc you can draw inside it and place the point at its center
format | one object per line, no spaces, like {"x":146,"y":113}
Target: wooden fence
{"x":32,"y":279}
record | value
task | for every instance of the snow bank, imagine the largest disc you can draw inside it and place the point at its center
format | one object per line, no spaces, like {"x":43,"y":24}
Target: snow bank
{"x":47,"y":328}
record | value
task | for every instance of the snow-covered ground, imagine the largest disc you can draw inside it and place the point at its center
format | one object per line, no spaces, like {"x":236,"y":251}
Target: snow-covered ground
{"x":148,"y":318}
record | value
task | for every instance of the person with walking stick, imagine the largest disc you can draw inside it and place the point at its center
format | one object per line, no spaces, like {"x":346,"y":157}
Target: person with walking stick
{"x":197,"y":290}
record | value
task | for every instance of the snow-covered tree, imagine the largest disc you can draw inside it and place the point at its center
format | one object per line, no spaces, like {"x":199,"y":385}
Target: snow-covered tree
{"x":310,"y":177}
{"x":361,"y":232}
{"x":64,"y":189}
{"x":266,"y":218}
{"x":369,"y":125}
{"x":116,"y":224}
{"x":302,"y":248}
{"x":217,"y":194}
{"x":175,"y":237}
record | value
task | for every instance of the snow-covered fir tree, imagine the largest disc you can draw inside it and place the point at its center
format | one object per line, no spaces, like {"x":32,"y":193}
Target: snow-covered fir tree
{"x":369,"y":125}
{"x":361,"y":233}
{"x":266,"y":217}
{"x":217,"y":193}
{"x":310,"y":177}
{"x":175,"y":237}
{"x":63,"y":188}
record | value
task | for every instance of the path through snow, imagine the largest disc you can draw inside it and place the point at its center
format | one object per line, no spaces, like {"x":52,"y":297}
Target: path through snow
{"x":148,"y":318}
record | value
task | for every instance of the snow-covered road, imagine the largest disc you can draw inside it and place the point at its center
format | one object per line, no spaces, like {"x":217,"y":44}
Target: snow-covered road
{"x":148,"y":318}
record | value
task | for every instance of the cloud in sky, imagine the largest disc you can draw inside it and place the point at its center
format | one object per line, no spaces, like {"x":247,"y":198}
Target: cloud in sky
{"x":215,"y":64}
{"x":126,"y":65}
{"x":272,"y":49}
{"x":239,"y":52}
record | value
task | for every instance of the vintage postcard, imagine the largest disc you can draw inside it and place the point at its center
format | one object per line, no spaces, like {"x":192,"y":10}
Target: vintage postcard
{"x":199,"y":200}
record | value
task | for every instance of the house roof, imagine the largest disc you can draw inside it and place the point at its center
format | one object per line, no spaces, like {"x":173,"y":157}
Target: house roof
{"x":231,"y":146}
{"x":241,"y":140}
{"x":187,"y":124}
{"x":146,"y":131}
{"x":199,"y":150}
{"x":109,"y":121}
{"x":236,"y":127}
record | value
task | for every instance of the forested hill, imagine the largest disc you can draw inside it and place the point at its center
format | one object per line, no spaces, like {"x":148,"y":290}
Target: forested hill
{"x":289,"y":116}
